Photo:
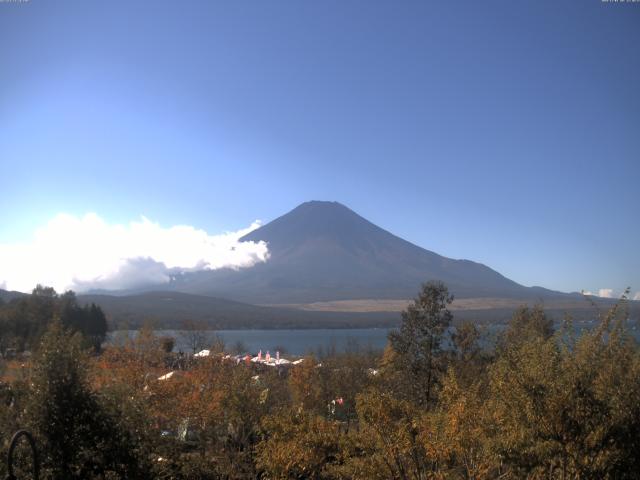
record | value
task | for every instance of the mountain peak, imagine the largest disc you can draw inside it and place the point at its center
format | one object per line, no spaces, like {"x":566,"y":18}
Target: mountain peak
{"x":312,"y":220}
{"x":322,"y":250}
{"x":321,"y":204}
{"x":322,"y":207}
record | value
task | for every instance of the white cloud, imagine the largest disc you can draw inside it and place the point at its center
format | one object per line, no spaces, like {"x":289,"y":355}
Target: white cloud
{"x":636,"y":296}
{"x":86,"y":252}
{"x":132,"y":273}
{"x":605,"y":292}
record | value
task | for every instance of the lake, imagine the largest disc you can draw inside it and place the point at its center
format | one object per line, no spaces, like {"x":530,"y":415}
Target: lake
{"x":293,"y":342}
{"x":303,"y":341}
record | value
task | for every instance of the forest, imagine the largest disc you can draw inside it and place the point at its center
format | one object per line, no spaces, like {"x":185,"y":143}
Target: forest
{"x":542,"y":403}
{"x":24,"y":319}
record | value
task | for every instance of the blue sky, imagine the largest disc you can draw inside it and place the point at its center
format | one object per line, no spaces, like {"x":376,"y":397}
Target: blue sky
{"x":503,"y":132}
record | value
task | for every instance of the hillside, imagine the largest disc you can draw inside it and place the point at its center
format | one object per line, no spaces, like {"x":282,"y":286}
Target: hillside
{"x":7,"y":296}
{"x":170,"y":309}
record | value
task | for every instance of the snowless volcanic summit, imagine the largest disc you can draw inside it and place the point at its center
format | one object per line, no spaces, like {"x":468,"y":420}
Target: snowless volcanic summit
{"x":323,"y":251}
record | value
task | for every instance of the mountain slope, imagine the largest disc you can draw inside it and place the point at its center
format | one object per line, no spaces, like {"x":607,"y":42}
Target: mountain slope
{"x":7,"y":296}
{"x":170,"y":309}
{"x":324,"y":251}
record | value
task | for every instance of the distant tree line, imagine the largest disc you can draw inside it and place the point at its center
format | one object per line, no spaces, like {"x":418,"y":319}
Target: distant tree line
{"x":541,"y":404}
{"x":24,"y":320}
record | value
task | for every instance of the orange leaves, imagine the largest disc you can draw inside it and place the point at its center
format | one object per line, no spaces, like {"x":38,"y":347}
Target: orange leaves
{"x":298,"y":445}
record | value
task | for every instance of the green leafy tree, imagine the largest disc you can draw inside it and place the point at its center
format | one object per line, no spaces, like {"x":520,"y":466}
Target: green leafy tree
{"x":78,"y":438}
{"x":89,"y":320}
{"x":418,"y":341}
{"x":24,"y":320}
{"x":467,"y":357}
{"x":526,"y":324}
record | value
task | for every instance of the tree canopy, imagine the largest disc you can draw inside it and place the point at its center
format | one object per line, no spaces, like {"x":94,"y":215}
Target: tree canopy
{"x":23,"y":320}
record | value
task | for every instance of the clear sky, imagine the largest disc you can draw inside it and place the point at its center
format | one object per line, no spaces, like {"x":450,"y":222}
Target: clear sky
{"x":503,"y":132}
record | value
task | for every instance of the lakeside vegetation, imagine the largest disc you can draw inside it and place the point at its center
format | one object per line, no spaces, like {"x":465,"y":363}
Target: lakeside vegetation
{"x":24,"y":319}
{"x":543,"y":403}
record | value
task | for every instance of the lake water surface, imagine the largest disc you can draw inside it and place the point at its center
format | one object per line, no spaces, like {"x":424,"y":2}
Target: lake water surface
{"x":294,"y":342}
{"x":300,"y":342}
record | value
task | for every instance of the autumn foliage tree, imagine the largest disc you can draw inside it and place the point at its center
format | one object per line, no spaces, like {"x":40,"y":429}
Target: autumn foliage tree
{"x":565,"y":408}
{"x":440,"y":402}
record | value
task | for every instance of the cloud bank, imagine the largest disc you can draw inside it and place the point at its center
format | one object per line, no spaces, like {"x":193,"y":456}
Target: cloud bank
{"x":609,"y":293}
{"x":605,"y":292}
{"x":84,"y":253}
